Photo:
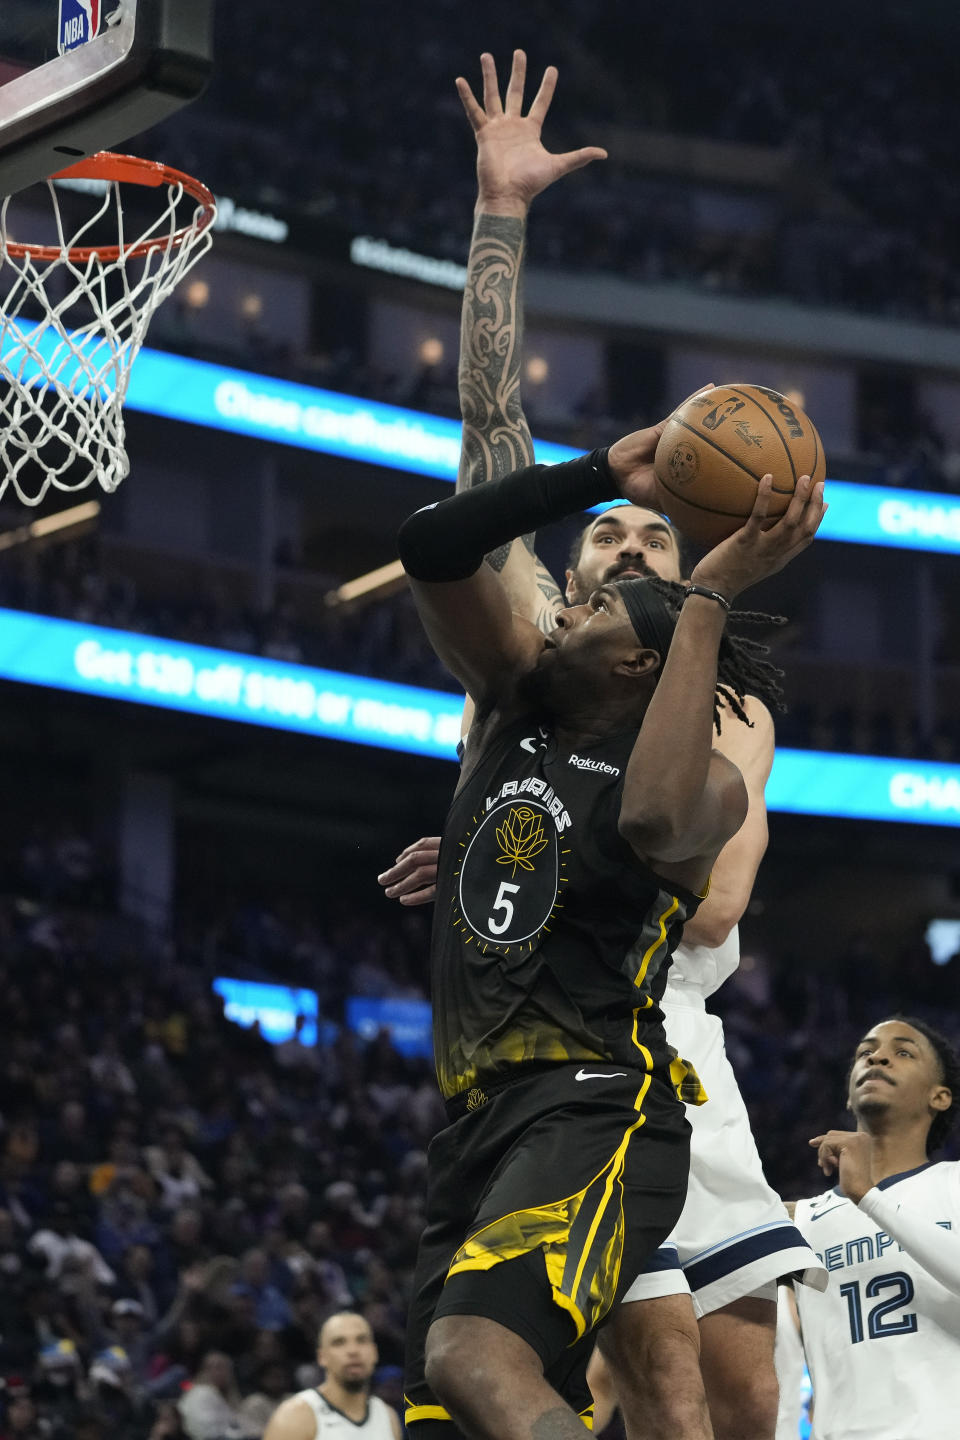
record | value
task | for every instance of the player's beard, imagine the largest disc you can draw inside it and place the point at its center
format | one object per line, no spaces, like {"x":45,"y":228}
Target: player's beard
{"x":637,"y":567}
{"x":581,"y":590}
{"x":354,"y":1384}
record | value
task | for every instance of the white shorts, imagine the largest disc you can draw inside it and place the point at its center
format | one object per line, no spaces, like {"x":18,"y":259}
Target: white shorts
{"x":734,"y":1236}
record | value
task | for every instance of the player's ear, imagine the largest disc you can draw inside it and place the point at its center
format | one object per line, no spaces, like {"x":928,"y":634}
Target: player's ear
{"x":640,"y":663}
{"x":941,"y":1098}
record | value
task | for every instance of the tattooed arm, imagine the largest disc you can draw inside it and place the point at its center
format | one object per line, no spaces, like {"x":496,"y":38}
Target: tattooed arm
{"x":512,"y":168}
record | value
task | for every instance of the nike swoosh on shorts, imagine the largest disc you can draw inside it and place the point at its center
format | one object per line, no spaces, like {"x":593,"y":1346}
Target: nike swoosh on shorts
{"x":599,"y":1074}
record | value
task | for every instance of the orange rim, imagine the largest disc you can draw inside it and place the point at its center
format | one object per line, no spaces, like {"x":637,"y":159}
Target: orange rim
{"x":132,"y":171}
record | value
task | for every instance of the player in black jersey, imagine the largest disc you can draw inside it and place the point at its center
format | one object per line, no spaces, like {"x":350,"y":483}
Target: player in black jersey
{"x":590,"y":809}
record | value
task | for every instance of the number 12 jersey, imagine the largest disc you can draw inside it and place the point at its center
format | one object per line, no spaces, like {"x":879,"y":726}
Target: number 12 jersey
{"x":883,"y":1340}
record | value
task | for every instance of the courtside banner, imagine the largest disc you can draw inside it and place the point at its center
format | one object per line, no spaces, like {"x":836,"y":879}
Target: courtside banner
{"x":864,"y":787}
{"x":300,"y":415}
{"x":118,"y":665}
{"x":221,"y":398}
{"x":323,"y":420}
{"x":123,"y":666}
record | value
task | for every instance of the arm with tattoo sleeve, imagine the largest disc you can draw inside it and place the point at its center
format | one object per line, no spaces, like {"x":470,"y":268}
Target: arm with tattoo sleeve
{"x":512,"y":168}
{"x":496,"y":436}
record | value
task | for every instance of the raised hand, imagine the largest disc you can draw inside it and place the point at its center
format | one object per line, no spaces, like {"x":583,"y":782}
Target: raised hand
{"x":763,"y":546}
{"x":512,"y":164}
{"x":412,"y":880}
{"x":631,"y":460}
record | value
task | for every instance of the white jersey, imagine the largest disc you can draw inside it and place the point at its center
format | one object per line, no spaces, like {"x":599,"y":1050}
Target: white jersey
{"x":883,"y":1340}
{"x":697,"y":967}
{"x":332,"y":1424}
{"x":734,"y":1237}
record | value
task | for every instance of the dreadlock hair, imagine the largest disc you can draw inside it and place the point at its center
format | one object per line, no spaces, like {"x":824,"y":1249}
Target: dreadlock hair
{"x":949,"y":1062}
{"x":742,"y":668}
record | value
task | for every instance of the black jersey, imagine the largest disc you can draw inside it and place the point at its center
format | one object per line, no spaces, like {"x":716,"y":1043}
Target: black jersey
{"x":540,"y":904}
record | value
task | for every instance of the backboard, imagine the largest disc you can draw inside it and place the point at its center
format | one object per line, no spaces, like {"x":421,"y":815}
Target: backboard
{"x":77,"y":76}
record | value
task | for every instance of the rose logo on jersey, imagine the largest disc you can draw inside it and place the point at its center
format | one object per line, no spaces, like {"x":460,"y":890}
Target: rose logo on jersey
{"x":79,"y":22}
{"x":507,"y":913}
{"x":521,"y":837}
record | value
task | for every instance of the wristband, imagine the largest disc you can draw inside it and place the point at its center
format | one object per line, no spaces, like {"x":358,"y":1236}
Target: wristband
{"x":708,"y":595}
{"x":448,"y":541}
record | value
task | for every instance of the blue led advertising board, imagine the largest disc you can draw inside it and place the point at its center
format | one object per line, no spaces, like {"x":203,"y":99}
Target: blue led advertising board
{"x":263,"y":407}
{"x":118,"y":665}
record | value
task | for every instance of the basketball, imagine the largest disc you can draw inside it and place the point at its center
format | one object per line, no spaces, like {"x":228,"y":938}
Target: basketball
{"x":717,"y":446}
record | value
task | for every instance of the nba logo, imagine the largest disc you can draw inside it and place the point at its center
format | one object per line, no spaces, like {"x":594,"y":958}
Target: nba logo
{"x":79,"y":22}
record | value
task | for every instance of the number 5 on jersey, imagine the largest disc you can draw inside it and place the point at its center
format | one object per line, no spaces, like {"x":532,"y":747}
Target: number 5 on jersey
{"x":498,"y":926}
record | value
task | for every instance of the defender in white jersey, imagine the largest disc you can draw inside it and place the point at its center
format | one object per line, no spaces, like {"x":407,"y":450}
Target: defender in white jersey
{"x":342,"y":1406}
{"x":734,"y":1239}
{"x":883,"y":1341}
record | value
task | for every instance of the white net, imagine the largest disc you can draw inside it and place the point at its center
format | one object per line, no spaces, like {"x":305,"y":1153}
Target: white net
{"x":73,"y":316}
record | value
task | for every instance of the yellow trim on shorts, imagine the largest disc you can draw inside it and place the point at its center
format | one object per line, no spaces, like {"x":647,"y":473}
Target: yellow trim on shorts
{"x":616,"y":1171}
{"x":587,"y":1416}
{"x":683,"y":1077}
{"x":647,"y":1057}
{"x":659,"y":939}
{"x":555,"y":1228}
{"x":424,"y":1412}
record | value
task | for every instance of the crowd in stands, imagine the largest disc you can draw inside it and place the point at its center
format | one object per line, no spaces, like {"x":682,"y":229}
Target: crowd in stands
{"x":182,"y":1203}
{"x":370,"y":139}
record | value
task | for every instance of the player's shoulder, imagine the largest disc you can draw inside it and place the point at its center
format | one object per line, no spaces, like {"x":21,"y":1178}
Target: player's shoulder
{"x":387,"y":1414}
{"x":757,"y":713}
{"x":935,"y":1175}
{"x":749,"y":744}
{"x":294,"y":1419}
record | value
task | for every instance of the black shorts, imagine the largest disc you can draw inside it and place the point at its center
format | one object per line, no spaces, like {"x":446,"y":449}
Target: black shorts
{"x":543,"y":1204}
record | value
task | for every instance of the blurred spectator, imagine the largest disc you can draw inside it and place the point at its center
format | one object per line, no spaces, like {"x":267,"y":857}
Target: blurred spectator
{"x":212,"y":1408}
{"x":65,"y":1253}
{"x":270,"y":1307}
{"x":179,"y":1174}
{"x":274,"y":1384}
{"x":21,"y":1420}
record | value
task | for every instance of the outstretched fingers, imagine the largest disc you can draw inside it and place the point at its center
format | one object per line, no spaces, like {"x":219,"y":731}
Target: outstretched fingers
{"x":576,"y":159}
{"x":491,"y":87}
{"x":518,"y":77}
{"x":474,"y":110}
{"x":544,"y":96}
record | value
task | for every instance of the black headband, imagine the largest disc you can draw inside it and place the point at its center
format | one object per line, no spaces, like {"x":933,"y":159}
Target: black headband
{"x":652,"y":622}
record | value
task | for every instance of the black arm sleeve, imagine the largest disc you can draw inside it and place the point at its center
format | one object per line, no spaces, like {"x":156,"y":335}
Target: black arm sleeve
{"x":448,"y":541}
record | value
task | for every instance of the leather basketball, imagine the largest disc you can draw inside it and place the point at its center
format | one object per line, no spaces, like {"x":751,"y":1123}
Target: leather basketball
{"x":717,"y":446}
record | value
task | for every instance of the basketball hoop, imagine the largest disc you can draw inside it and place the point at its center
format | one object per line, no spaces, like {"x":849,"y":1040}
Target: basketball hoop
{"x":73,"y":318}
